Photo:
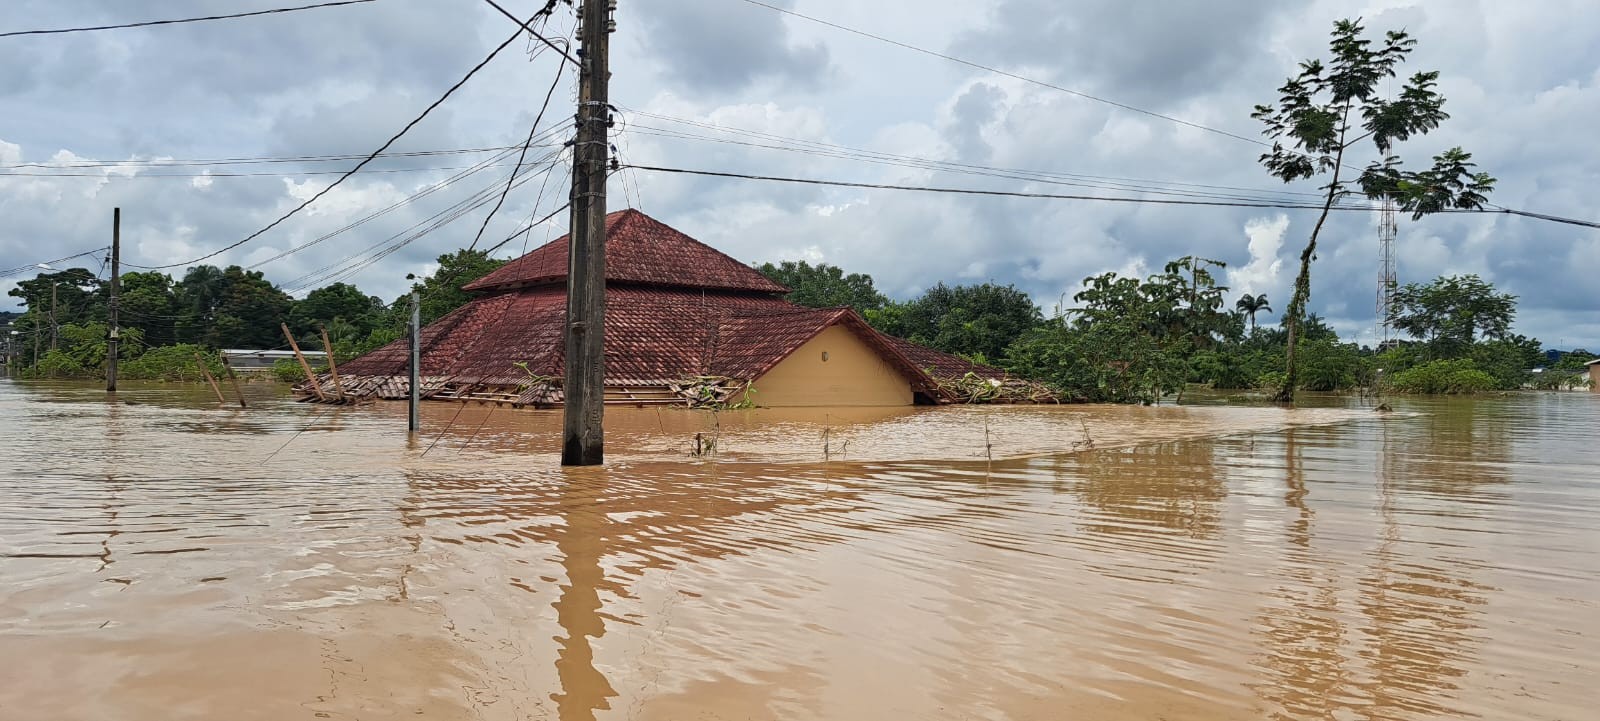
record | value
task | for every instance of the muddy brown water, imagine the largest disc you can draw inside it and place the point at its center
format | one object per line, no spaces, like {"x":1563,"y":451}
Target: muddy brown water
{"x":161,"y":558}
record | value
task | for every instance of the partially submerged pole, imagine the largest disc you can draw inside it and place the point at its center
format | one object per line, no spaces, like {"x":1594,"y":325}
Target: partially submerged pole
{"x":583,"y":388}
{"x":310,"y":377}
{"x":333,"y":367}
{"x":234,"y":379}
{"x":413,"y":423}
{"x":113,"y":338}
{"x":206,"y":372}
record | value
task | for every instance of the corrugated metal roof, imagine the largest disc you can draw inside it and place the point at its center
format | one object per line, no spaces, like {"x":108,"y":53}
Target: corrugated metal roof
{"x":639,"y":249}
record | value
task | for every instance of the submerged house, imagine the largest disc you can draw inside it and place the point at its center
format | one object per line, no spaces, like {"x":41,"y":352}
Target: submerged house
{"x":685,"y":324}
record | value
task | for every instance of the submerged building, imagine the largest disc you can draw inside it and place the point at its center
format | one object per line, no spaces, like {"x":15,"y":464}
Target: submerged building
{"x":685,"y":324}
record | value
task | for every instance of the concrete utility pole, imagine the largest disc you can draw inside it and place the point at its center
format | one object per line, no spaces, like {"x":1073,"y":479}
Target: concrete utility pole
{"x":113,"y":340}
{"x":413,"y":422}
{"x":583,"y":439}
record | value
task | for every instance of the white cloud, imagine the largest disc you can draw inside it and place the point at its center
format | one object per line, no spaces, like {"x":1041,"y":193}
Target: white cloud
{"x":1260,"y":275}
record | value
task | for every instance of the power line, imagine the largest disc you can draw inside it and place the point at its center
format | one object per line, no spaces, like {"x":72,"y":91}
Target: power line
{"x":286,"y":174}
{"x":157,"y":161}
{"x":35,"y":266}
{"x":1004,"y":193}
{"x":149,"y":23}
{"x":549,"y":7}
{"x":531,"y":131}
{"x":944,"y":164}
{"x":997,"y":71}
{"x":1109,"y":199}
{"x":352,"y":171}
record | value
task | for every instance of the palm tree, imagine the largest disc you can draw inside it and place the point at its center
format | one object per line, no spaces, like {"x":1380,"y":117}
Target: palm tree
{"x":1250,"y":305}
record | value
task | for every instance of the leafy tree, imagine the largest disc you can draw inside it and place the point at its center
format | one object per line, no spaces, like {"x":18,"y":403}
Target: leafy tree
{"x":341,"y":308}
{"x":1131,"y":340}
{"x":441,"y":292}
{"x":1451,"y":313}
{"x":1326,"y":111}
{"x":1250,"y":305}
{"x":149,"y":303}
{"x":977,"y":321}
{"x":824,"y":286}
{"x":248,"y":311}
{"x":1575,"y":360}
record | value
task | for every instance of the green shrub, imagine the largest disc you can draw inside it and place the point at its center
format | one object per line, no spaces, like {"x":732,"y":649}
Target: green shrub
{"x":287,"y":370}
{"x":1443,"y":377}
{"x":170,"y":363}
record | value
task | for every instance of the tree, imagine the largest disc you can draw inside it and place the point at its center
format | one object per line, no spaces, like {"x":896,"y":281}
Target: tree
{"x":824,"y":286}
{"x":441,"y":292}
{"x":149,"y":303}
{"x":1250,"y":305}
{"x":248,"y":311}
{"x":1314,"y":115}
{"x":977,"y":321}
{"x":356,"y":313}
{"x":1451,"y":312}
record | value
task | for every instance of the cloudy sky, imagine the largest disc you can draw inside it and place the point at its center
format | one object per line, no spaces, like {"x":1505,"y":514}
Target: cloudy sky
{"x":1522,"y":79}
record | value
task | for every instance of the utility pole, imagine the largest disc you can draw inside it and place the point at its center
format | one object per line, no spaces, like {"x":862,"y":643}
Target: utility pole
{"x":53,"y":327}
{"x":113,"y":341}
{"x":413,"y":422}
{"x":582,"y":438}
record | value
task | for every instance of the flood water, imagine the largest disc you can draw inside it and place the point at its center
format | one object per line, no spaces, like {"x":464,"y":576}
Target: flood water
{"x":164,"y":558}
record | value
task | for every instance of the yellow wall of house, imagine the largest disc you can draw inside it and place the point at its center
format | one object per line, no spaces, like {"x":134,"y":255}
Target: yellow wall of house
{"x":852,"y":375}
{"x":1594,"y":378}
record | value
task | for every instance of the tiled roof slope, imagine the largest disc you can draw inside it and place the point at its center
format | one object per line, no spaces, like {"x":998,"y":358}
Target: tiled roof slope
{"x":653,"y":336}
{"x":941,"y":365}
{"x":639,"y":249}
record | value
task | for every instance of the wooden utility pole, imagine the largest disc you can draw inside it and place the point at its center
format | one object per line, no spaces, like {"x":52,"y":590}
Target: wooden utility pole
{"x":583,"y":439}
{"x":54,"y":327}
{"x":234,"y":379}
{"x":113,"y":340}
{"x":413,"y":422}
{"x":310,"y":377}
{"x":204,"y":371}
{"x":333,"y":367}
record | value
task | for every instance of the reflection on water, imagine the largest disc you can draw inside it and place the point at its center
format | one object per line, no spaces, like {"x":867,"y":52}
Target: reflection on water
{"x":1198,"y":563}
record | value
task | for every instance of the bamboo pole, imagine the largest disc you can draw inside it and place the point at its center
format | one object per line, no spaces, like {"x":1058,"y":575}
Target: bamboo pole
{"x":333,"y":367}
{"x":204,"y":371}
{"x":234,"y":379}
{"x":310,"y":377}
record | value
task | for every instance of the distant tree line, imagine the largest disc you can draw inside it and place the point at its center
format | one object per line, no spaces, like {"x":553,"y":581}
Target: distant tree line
{"x":209,"y":308}
{"x":1135,"y":340}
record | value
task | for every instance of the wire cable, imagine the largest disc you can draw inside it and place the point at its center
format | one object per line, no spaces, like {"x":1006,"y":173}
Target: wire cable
{"x":150,"y":23}
{"x":352,"y":171}
{"x":997,"y":71}
{"x":528,"y":26}
{"x":531,"y":132}
{"x":1001,"y":193}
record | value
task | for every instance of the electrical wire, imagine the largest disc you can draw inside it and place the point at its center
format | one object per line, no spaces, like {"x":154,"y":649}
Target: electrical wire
{"x":531,"y":132}
{"x":31,"y":266}
{"x":158,"y":161}
{"x":391,"y":141}
{"x":1001,"y":193}
{"x":953,"y":164}
{"x":1014,"y":76}
{"x":150,"y":23}
{"x":528,"y":26}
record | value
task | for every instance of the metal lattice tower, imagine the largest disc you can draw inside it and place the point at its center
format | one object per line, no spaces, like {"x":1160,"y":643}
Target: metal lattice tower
{"x":1388,"y":279}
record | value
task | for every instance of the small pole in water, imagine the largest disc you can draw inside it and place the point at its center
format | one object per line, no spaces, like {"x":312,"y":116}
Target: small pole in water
{"x":413,"y":422}
{"x":206,"y":372}
{"x":234,"y":379}
{"x":333,"y":367}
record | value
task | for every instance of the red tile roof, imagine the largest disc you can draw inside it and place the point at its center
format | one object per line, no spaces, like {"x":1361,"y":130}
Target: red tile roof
{"x":675,"y":309}
{"x":639,"y":249}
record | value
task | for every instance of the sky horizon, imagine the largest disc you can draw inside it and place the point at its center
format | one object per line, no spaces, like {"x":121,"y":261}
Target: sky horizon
{"x":733,"y":86}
